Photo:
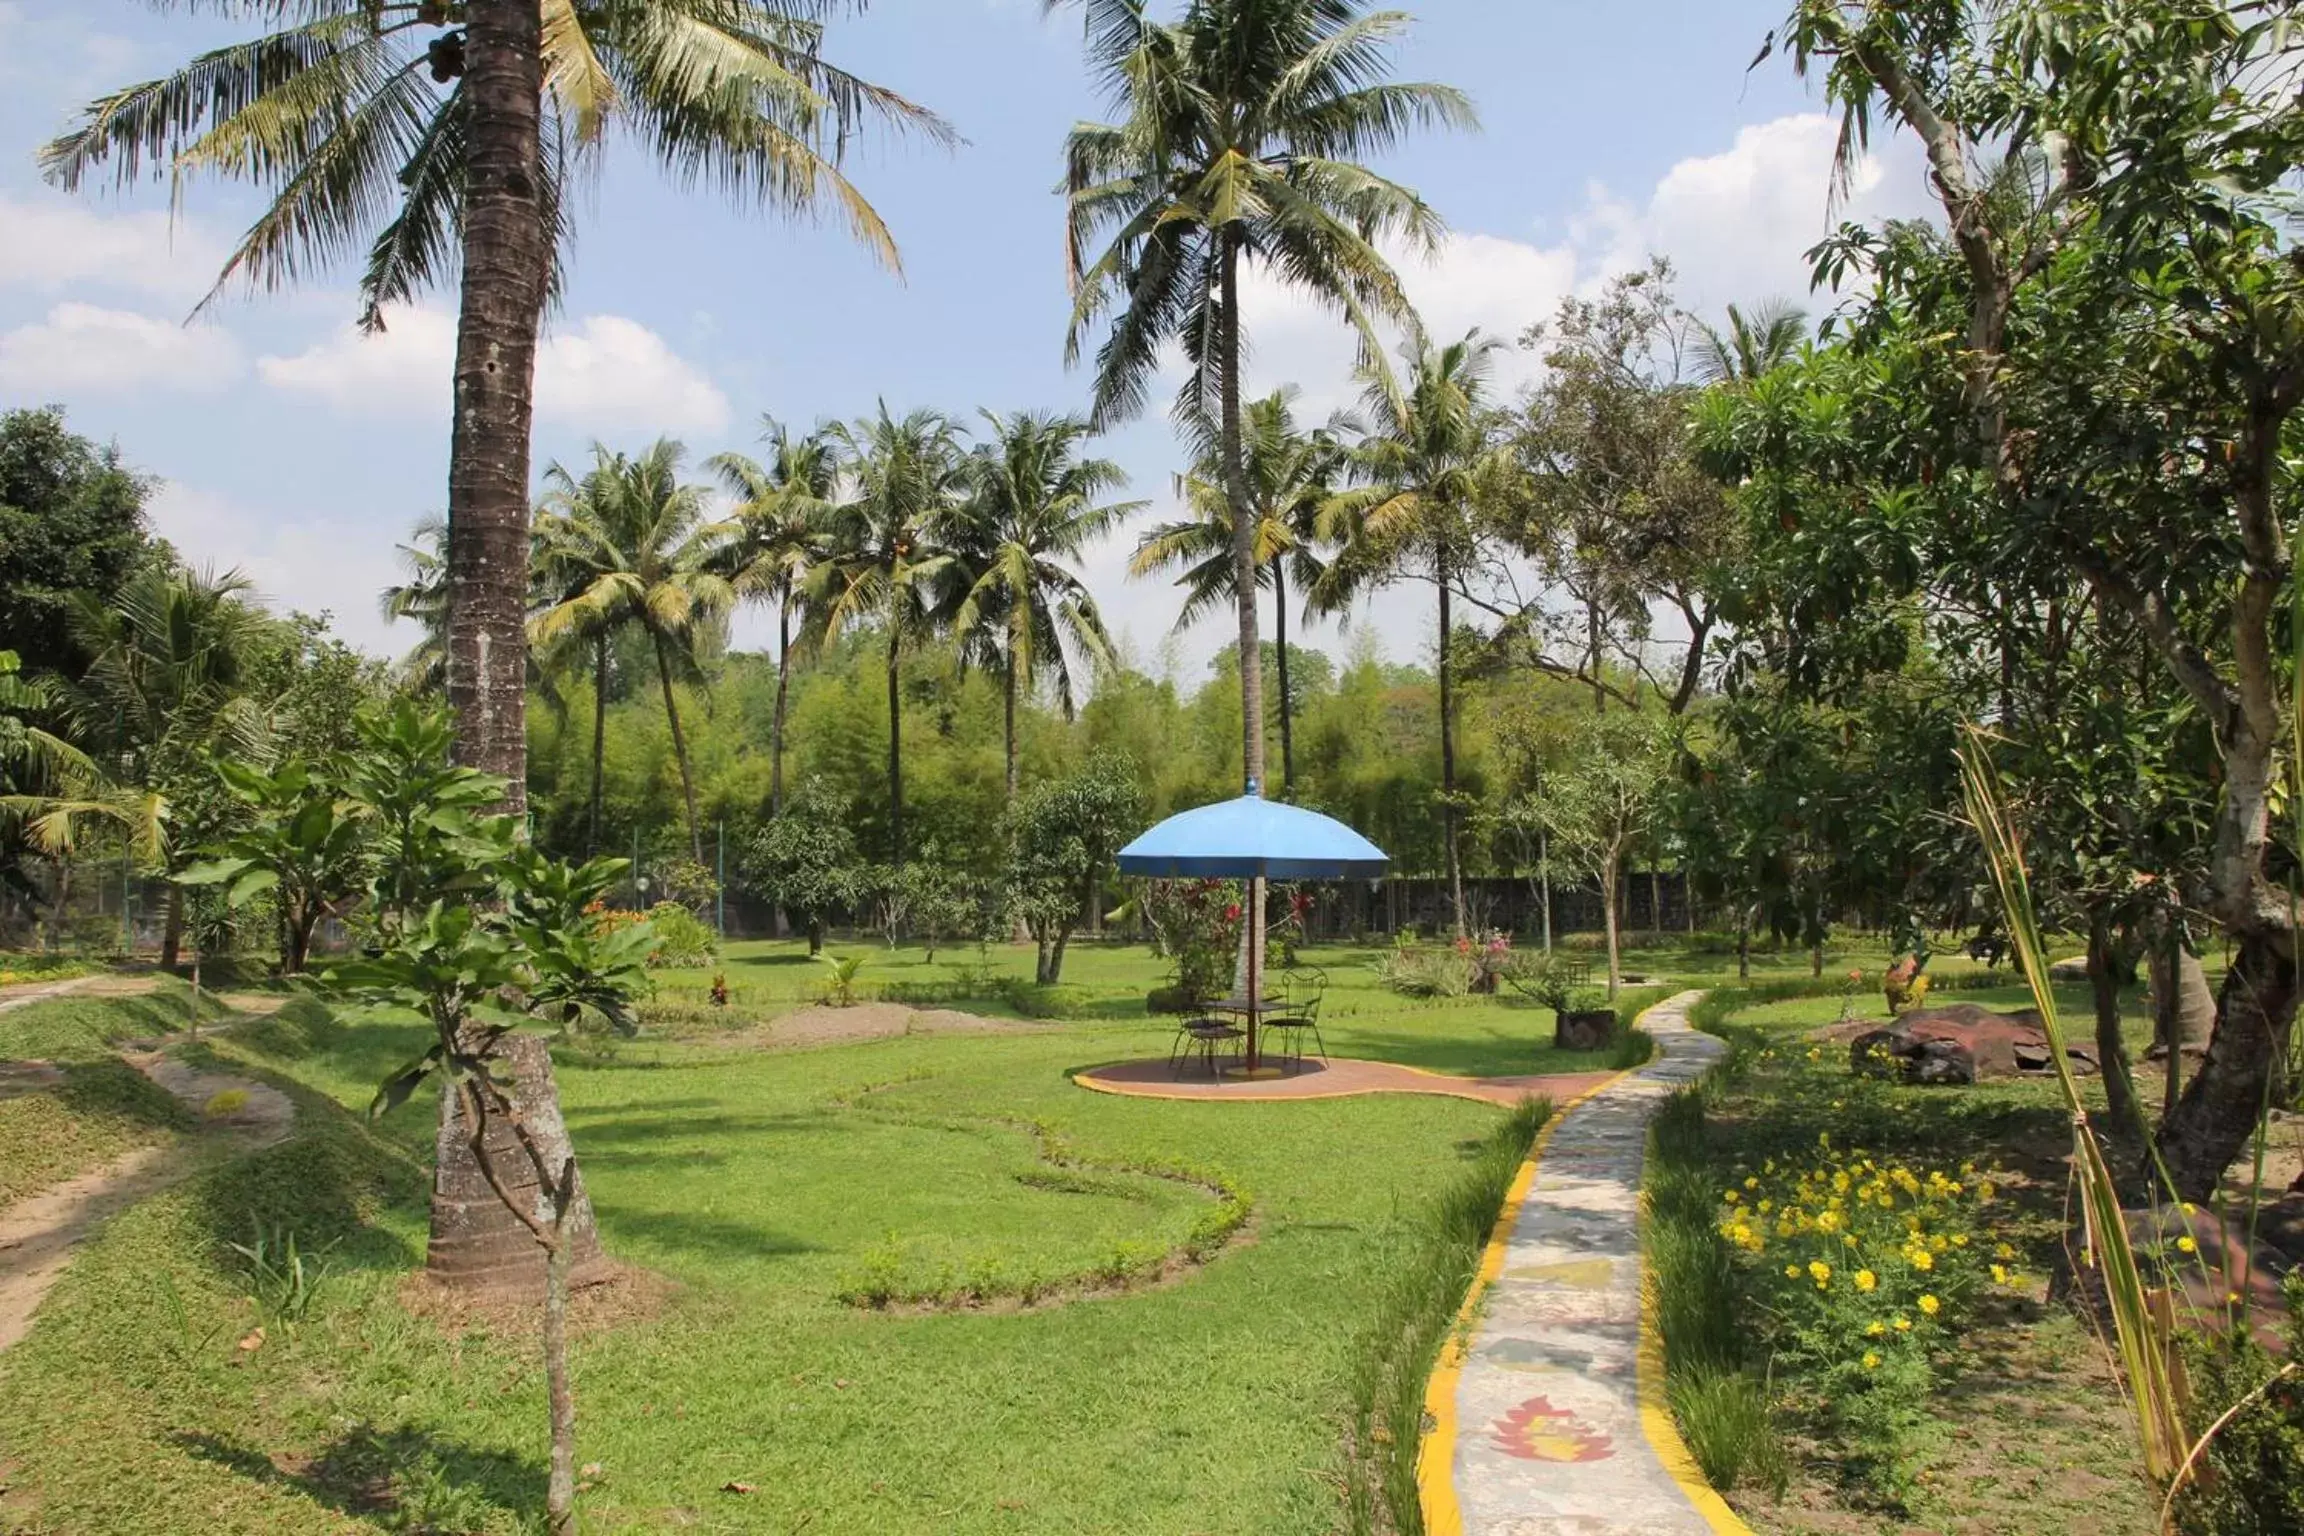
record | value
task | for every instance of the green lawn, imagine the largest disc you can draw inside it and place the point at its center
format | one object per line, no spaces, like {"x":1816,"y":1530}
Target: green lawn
{"x":773,"y":1188}
{"x":768,"y":1185}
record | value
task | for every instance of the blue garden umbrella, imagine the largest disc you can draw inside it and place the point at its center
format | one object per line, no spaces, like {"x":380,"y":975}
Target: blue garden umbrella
{"x":1253,"y":839}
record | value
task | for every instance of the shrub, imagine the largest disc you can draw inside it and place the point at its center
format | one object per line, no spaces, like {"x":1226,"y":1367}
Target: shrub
{"x":2251,"y":1480}
{"x":683,"y":941}
{"x":1036,"y":1000}
{"x":1417,"y":971}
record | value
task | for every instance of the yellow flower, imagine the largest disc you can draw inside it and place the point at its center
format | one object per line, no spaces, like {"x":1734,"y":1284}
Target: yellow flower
{"x":1903,"y":1325}
{"x":2003,"y":1252}
{"x":1922,"y":1260}
{"x":1985,"y":1190}
{"x":1875,"y":1329}
{"x":1849,"y":1240}
{"x":1791,"y":1271}
{"x":1930,"y":1305}
{"x":1729,"y":1195}
{"x":1959,"y":1239}
{"x":1866,"y":1280}
{"x":2186,"y":1245}
{"x":1766,"y":1206}
{"x":1751,"y":1182}
{"x":1999,"y":1274}
{"x":1871,"y":1360}
{"x":1820,"y":1272}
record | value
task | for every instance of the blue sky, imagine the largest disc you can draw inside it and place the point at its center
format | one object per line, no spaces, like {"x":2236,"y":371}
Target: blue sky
{"x":292,"y":449}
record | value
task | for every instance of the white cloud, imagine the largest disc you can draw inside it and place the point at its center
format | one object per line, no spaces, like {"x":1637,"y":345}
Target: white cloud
{"x":54,"y":243}
{"x":605,"y":374}
{"x":84,"y":349}
{"x":295,"y":561}
{"x":1736,"y":225}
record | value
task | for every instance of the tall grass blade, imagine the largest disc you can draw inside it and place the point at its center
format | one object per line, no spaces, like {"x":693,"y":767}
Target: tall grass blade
{"x":2142,"y":1339}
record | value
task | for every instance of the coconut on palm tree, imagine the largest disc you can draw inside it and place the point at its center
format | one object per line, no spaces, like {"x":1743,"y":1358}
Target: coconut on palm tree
{"x":884,"y":561}
{"x":1291,"y":474}
{"x":1428,"y":446}
{"x":439,"y":139}
{"x":1241,"y":130}
{"x":630,"y":547}
{"x":780,"y":521}
{"x":1032,"y":502}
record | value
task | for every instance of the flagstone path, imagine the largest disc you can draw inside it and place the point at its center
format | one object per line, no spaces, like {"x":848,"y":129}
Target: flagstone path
{"x":1550,"y":1420}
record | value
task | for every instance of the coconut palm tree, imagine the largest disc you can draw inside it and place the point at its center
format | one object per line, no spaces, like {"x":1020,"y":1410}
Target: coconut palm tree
{"x":1031,"y":503}
{"x":1241,"y":131}
{"x":884,"y":565}
{"x":444,"y":139}
{"x":1291,"y":475}
{"x":1752,"y":345}
{"x":161,"y":696}
{"x":1419,"y":464}
{"x":421,"y":596}
{"x":630,"y":546}
{"x":781,"y":511}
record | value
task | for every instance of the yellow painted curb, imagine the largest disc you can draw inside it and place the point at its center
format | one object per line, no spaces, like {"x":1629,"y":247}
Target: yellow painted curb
{"x":1435,"y":1485}
{"x":1656,"y":1409}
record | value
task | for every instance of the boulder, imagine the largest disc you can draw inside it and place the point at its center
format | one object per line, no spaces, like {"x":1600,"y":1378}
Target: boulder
{"x":1583,"y":1029}
{"x":1960,"y":1043}
{"x":2073,"y":968}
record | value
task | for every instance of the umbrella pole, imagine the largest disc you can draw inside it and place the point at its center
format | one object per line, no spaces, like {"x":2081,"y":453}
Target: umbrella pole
{"x":1255,"y":959}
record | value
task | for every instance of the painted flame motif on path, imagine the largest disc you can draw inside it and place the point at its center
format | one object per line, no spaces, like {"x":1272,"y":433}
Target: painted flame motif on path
{"x":1537,"y":1431}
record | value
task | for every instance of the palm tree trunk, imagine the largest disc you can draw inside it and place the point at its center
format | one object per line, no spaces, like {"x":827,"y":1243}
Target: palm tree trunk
{"x":1243,"y":523}
{"x":599,"y":735}
{"x":895,"y":746}
{"x":1448,"y":760}
{"x":1280,"y":654}
{"x":783,"y":693}
{"x":172,"y":930}
{"x":1009,"y":703}
{"x":679,"y":750}
{"x":506,"y":259}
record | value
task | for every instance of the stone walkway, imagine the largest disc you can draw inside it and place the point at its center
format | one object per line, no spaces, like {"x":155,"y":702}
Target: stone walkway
{"x":1550,"y":1421}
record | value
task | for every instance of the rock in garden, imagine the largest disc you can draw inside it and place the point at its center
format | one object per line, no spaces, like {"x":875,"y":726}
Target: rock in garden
{"x":1960,"y":1043}
{"x":1583,"y":1029}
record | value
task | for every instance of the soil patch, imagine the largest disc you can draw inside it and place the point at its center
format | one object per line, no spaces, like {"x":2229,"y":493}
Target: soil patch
{"x":622,"y":1294}
{"x":37,"y":1234}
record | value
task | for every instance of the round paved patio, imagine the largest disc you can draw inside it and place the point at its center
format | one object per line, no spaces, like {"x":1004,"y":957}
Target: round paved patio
{"x":1338,"y":1078}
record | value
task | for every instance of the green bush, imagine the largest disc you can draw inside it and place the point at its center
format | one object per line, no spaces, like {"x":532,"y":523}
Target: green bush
{"x":1050,"y":1001}
{"x":683,"y":942}
{"x":2251,"y":1481}
{"x":1419,"y":971}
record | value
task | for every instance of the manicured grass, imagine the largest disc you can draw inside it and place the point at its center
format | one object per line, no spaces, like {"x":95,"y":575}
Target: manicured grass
{"x":1470,"y":1036}
{"x":82,"y":1028}
{"x":767,"y":1185}
{"x":99,"y":1110}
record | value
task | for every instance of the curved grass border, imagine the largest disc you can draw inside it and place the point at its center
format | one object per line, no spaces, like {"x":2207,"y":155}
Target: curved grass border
{"x":1127,"y":1268}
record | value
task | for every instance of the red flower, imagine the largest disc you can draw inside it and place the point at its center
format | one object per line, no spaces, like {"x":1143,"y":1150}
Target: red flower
{"x":1232,"y":913}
